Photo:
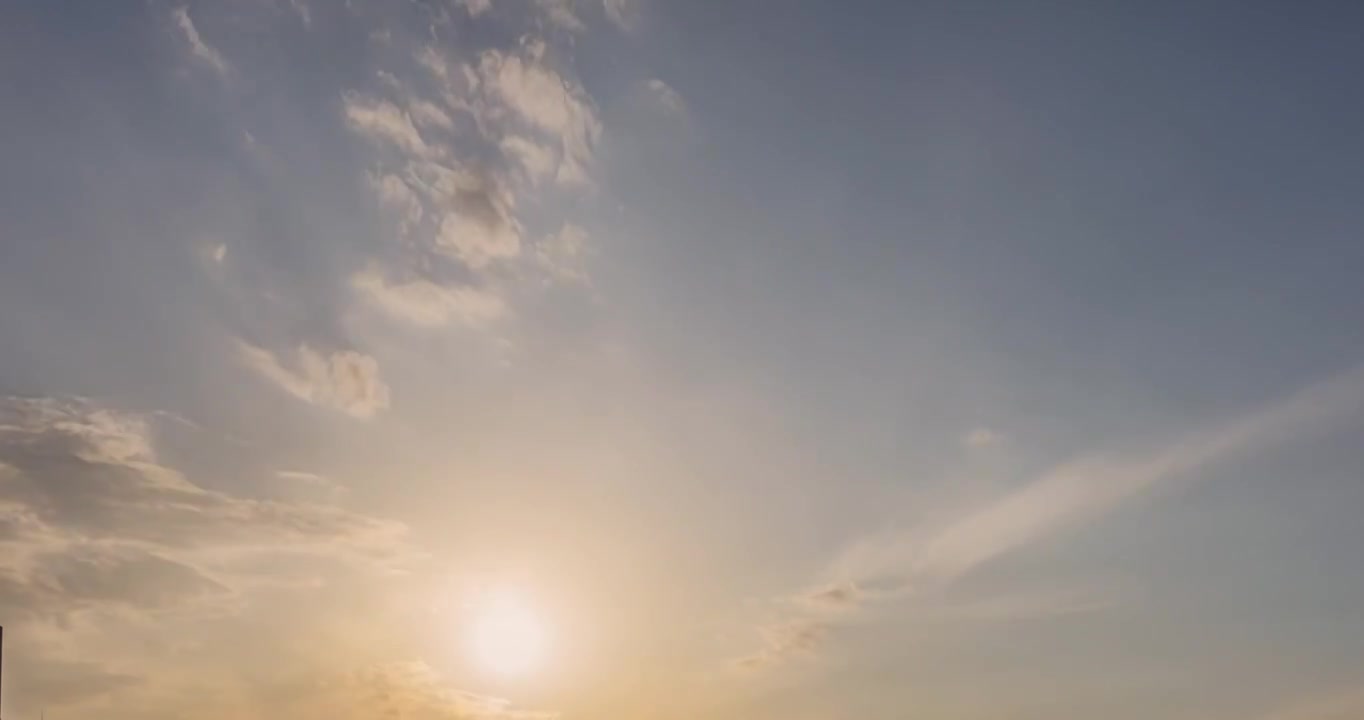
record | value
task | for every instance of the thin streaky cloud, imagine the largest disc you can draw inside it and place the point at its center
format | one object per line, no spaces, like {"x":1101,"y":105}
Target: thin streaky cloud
{"x":200,"y":49}
{"x":1083,"y":490}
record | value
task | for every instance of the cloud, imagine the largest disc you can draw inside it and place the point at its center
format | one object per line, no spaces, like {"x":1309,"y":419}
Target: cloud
{"x":127,"y":576}
{"x":200,"y":49}
{"x":564,"y":254}
{"x":429,"y":114}
{"x":548,"y":101}
{"x":666,"y":96}
{"x":560,"y":12}
{"x":408,"y":689}
{"x":107,"y":548}
{"x":385,"y":123}
{"x":476,"y":7}
{"x":91,"y":473}
{"x":785,"y":640}
{"x":921,"y":561}
{"x":398,"y":196}
{"x":480,"y":228}
{"x":623,"y":13}
{"x":838,"y":597}
{"x":537,"y":161}
{"x":427,"y":304}
{"x":981,"y":438}
{"x":1081,"y":491}
{"x":344,"y":380}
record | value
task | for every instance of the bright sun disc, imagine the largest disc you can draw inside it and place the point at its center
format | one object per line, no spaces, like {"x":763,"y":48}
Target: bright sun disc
{"x":506,"y":636}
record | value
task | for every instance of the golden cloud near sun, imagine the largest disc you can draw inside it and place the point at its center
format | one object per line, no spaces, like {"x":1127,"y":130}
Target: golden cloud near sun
{"x":506,"y":634}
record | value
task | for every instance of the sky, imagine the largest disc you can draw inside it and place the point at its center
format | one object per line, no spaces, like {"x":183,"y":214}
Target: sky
{"x":708,"y":359}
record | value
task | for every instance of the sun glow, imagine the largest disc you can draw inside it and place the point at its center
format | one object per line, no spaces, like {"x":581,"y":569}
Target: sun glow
{"x":506,"y":636}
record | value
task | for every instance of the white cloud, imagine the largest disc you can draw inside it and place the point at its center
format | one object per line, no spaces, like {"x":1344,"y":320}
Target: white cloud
{"x":426,"y":304}
{"x":382,"y":121}
{"x":219,"y":252}
{"x":200,"y":49}
{"x":346,"y":380}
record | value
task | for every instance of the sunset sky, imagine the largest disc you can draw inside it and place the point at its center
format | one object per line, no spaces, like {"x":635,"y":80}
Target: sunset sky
{"x":681,"y":360}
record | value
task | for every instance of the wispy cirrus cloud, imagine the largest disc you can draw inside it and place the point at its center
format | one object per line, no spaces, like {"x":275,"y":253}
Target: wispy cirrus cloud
{"x":201,"y":50}
{"x":104,"y":542}
{"x":623,"y":13}
{"x":344,"y":380}
{"x":918,"y":563}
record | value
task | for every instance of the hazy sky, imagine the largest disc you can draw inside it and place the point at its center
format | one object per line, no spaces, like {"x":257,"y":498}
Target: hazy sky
{"x":781,"y":360}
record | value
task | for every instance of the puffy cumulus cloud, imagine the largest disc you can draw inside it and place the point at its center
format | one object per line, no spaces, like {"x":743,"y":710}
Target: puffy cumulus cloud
{"x":345,"y":380}
{"x":201,"y":50}
{"x":427,"y":304}
{"x":108,"y":554}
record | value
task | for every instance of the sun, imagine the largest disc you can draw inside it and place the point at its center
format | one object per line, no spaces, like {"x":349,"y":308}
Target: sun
{"x":506,"y":636}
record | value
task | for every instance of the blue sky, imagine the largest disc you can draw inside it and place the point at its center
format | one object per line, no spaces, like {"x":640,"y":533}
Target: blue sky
{"x":807,"y":359}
